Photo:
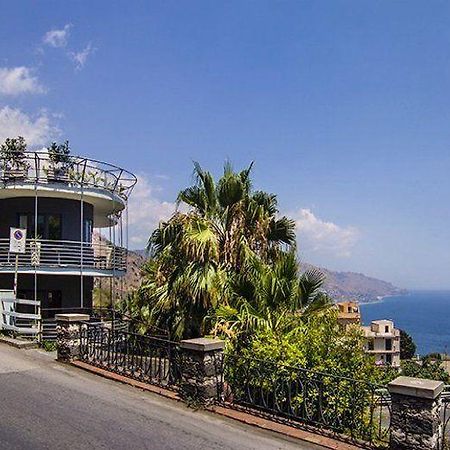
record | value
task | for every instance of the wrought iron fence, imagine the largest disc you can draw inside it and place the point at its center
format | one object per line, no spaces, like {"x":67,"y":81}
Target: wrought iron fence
{"x":354,"y":409}
{"x":444,"y":440}
{"x":145,"y":358}
{"x":75,"y":171}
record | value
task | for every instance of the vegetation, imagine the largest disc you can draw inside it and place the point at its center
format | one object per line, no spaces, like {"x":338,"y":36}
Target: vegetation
{"x":427,"y":367}
{"x":407,"y":346}
{"x":12,"y":152}
{"x":48,"y":346}
{"x":228,"y":264}
{"x":59,"y":155}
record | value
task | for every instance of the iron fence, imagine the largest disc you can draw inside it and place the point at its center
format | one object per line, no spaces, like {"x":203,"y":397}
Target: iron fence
{"x":74,"y":171}
{"x":353,"y":409}
{"x":444,"y":439}
{"x":145,"y":358}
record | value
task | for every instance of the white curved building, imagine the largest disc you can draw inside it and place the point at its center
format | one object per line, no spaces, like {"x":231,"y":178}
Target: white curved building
{"x":60,"y":204}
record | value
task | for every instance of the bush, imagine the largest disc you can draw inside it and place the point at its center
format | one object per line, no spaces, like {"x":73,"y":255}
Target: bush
{"x":426,"y":368}
{"x":48,"y":346}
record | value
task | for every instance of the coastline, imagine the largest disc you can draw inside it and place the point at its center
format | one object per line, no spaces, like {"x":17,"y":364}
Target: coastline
{"x":423,"y":314}
{"x":380,"y":298}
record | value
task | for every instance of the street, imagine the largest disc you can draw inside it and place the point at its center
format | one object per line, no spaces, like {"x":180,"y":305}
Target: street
{"x":47,"y":405}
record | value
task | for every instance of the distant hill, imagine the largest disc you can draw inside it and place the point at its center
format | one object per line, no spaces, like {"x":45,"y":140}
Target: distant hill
{"x":357,"y":286}
{"x":340,"y":285}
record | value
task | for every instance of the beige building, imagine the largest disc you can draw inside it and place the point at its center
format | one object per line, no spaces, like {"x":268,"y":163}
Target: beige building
{"x":383,"y":342}
{"x":348,"y":313}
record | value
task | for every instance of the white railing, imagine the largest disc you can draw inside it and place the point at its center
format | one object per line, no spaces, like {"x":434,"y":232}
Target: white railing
{"x":75,"y":171}
{"x":18,"y":315}
{"x":66,"y":254}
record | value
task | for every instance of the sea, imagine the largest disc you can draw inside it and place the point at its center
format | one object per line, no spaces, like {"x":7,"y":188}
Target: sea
{"x":425,"y":315}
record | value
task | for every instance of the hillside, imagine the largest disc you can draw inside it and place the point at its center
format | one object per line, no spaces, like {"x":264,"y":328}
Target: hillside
{"x":339,"y":285}
{"x":357,"y":286}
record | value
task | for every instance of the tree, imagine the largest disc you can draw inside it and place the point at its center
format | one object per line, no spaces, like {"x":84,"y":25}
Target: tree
{"x":229,"y":250}
{"x":12,"y":152}
{"x":426,"y":368}
{"x":407,"y":346}
{"x":59,"y":154}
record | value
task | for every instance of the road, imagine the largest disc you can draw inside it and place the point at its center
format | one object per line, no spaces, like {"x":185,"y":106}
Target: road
{"x":48,"y":405}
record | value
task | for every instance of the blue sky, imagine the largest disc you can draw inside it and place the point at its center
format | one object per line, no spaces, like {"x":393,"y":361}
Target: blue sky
{"x":343,"y":105}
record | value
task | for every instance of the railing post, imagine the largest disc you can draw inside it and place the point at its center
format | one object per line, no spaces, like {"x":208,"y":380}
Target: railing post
{"x":416,"y":422}
{"x":201,"y":370}
{"x":68,"y":335}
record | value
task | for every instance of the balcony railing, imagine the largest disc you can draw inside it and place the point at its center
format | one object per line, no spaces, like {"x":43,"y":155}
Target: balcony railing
{"x":66,"y":254}
{"x":74,"y":171}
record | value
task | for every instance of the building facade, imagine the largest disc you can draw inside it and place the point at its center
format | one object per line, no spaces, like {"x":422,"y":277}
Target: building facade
{"x":348,"y":313}
{"x":59,"y":204}
{"x":383,"y":342}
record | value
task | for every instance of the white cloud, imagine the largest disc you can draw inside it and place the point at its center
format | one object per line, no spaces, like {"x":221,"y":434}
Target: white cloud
{"x":57,"y":38}
{"x":318,"y":237}
{"x":18,"y":80}
{"x":37,"y":130}
{"x":80,"y":58}
{"x":145,"y":211}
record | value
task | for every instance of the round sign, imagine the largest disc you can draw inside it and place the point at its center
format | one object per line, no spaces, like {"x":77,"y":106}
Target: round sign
{"x":18,"y":235}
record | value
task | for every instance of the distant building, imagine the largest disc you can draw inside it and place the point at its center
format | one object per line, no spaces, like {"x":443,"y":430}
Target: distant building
{"x":348,"y":313}
{"x":383,"y":342}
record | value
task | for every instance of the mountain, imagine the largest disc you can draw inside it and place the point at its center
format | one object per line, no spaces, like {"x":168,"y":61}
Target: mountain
{"x":340,"y":285}
{"x":356,"y":286}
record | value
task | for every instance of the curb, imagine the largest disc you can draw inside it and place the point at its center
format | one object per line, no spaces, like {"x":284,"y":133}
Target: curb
{"x":240,"y":416}
{"x":18,"y":343}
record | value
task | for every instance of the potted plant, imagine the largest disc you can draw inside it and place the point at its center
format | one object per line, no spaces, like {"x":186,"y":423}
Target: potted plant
{"x":13,"y":157}
{"x":60,"y":162}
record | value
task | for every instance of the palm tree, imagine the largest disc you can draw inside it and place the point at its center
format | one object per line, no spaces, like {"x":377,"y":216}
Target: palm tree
{"x":230,"y":249}
{"x":271,"y":297}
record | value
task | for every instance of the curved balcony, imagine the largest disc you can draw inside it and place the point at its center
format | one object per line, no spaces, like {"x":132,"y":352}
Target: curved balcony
{"x":65,"y":257}
{"x":104,"y":185}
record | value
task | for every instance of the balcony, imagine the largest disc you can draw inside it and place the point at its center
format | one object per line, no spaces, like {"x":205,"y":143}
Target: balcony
{"x":104,"y":185}
{"x":65,"y":257}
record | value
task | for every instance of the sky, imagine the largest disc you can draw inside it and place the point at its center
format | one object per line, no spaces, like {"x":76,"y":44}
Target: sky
{"x":344,"y":107}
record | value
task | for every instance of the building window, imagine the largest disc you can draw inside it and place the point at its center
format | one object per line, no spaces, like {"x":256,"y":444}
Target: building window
{"x":87,"y":230}
{"x":370,"y":344}
{"x":389,"y":359}
{"x":54,"y":227}
{"x":388,"y":344}
{"x":48,"y":226}
{"x":386,"y":329}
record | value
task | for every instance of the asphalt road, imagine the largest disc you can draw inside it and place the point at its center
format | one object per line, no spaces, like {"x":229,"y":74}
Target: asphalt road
{"x":47,"y":405}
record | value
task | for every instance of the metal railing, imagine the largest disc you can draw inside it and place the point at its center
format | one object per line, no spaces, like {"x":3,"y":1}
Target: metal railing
{"x":444,"y":441}
{"x":145,"y":358}
{"x":348,"y":408}
{"x":19,"y":316}
{"x":75,"y":171}
{"x":66,"y":254}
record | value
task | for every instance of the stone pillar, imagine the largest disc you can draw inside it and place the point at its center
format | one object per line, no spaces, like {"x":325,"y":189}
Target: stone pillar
{"x":68,"y":335}
{"x":416,"y":414}
{"x":201,"y":371}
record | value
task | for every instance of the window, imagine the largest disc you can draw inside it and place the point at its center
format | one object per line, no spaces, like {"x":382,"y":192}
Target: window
{"x":48,"y":225}
{"x":370,"y":344}
{"x":54,"y":227}
{"x":386,"y":329}
{"x":389,"y":359}
{"x":388,"y":344}
{"x":87,"y":230}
